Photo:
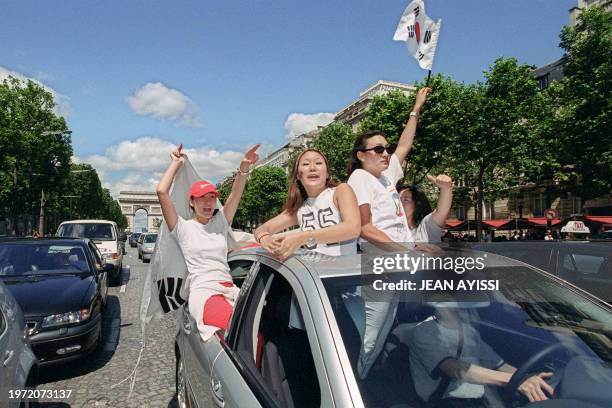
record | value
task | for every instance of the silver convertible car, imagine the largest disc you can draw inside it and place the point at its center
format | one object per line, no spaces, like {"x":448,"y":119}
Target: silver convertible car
{"x":319,"y":331}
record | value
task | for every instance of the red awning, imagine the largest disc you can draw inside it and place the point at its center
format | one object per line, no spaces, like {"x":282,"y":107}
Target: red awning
{"x":453,"y":223}
{"x":542,"y":221}
{"x":495,"y":223}
{"x":603,"y":219}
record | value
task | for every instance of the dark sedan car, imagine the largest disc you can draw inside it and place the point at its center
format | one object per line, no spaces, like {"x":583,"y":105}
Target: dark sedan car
{"x":585,"y":264}
{"x":134,"y":239}
{"x":61,"y":286}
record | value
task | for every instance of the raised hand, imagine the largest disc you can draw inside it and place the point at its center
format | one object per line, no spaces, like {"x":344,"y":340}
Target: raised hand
{"x":442,"y":181}
{"x":421,"y":97}
{"x":250,"y":157}
{"x":178,"y":155}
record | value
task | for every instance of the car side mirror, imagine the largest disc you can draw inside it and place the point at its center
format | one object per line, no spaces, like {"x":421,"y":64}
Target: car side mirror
{"x":107,"y":267}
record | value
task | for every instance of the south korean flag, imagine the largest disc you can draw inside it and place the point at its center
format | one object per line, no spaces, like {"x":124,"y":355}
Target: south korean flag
{"x":419,"y":32}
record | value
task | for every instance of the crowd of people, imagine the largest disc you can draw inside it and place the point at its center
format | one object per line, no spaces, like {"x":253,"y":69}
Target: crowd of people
{"x":331,"y":218}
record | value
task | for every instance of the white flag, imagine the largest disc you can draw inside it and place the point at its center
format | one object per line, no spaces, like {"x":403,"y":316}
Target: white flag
{"x":419,"y":32}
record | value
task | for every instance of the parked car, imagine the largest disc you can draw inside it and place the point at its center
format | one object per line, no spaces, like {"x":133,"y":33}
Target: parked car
{"x":134,"y":239}
{"x":104,"y":234}
{"x":587,"y":265}
{"x":19,"y":365}
{"x":147,"y":247}
{"x":292,"y":340}
{"x":61,"y":286}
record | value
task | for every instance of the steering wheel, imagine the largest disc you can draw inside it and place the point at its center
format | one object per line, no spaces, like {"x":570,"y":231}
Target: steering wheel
{"x":527,"y":367}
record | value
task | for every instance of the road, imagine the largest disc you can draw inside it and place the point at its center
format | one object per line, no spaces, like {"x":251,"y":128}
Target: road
{"x":96,"y":380}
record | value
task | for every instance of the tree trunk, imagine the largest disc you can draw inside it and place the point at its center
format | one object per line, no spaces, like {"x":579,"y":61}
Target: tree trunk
{"x":479,"y":200}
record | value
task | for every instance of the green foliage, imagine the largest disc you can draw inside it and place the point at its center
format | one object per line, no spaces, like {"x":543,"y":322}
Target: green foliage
{"x":585,"y":105}
{"x":336,"y":142}
{"x":263,"y":197}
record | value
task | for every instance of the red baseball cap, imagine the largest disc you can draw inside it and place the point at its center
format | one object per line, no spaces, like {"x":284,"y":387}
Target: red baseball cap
{"x":201,"y":188}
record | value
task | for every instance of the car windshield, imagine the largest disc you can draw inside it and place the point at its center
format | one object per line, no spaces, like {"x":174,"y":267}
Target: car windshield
{"x":416,"y":348}
{"x":150,"y":238}
{"x":95,"y":231}
{"x":42,"y":259}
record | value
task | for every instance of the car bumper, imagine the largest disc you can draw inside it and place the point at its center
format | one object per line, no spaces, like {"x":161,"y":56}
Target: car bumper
{"x":147,"y":255}
{"x":45,"y":344}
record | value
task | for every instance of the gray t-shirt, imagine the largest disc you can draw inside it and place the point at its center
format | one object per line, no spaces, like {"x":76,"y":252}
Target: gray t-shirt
{"x":427,"y":231}
{"x":432,"y":343}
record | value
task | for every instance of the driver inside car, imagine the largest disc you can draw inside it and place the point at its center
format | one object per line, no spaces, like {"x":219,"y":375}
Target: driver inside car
{"x":451,"y":364}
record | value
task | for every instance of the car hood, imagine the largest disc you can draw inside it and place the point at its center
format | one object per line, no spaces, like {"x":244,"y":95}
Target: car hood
{"x":47,"y":295}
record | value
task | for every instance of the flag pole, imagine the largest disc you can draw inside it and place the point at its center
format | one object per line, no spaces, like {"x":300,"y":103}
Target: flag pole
{"x":428,"y":78}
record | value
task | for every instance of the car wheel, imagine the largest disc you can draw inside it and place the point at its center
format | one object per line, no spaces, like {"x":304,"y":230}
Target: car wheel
{"x":99,"y":341}
{"x":181,"y":384}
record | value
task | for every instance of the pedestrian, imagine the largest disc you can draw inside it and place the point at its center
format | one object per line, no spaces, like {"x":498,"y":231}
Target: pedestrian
{"x":203,"y":242}
{"x":375,"y":167}
{"x":548,"y":236}
{"x":425,"y":225}
{"x":326,"y":212}
{"x":35,"y":234}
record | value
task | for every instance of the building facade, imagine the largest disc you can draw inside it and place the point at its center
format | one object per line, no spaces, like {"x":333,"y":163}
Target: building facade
{"x":141,"y":204}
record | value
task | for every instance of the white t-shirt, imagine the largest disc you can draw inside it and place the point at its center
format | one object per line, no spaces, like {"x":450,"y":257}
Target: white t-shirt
{"x":427,"y":231}
{"x":204,"y":248}
{"x":385,"y":205}
{"x":320,"y":212}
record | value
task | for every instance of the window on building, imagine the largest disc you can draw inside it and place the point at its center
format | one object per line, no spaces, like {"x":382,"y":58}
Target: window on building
{"x":543,"y":82}
{"x":489,"y":210}
{"x":538,"y":204}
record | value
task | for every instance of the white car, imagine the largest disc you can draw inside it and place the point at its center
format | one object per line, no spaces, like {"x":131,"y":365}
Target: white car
{"x":106,"y":236}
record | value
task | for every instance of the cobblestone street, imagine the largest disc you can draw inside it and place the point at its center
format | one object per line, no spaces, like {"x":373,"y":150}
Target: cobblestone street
{"x":94,"y":380}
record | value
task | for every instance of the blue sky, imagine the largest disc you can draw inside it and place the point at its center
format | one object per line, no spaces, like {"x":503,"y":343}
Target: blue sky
{"x":133,"y":77}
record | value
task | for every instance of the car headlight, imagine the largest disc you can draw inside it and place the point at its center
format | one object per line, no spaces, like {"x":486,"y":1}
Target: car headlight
{"x":66,"y":318}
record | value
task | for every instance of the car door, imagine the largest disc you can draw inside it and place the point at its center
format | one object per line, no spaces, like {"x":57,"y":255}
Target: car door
{"x":102,"y":276}
{"x":197,"y":358}
{"x":589,"y":267}
{"x":271,"y":355}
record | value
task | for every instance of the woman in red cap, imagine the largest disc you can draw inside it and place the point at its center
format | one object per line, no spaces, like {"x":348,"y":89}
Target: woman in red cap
{"x":203,"y":242}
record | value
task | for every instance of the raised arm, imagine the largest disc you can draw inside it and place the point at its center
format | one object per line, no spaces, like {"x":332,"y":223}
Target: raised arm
{"x":231,"y":204}
{"x":349,"y":228}
{"x":445,"y":199}
{"x":405,"y":142}
{"x":163,"y":188}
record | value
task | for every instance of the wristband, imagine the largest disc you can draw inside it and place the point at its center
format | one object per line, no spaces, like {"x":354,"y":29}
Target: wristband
{"x":244,"y":173}
{"x":415,"y":114}
{"x":263,"y":234}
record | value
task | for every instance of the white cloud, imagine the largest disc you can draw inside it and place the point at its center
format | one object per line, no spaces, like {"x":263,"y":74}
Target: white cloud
{"x":160,"y":102}
{"x":299,"y":123}
{"x":138,"y":164}
{"x":62,"y":102}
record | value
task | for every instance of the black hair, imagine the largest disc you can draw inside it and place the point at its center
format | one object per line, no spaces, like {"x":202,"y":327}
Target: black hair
{"x":422,"y":207}
{"x":360,"y":143}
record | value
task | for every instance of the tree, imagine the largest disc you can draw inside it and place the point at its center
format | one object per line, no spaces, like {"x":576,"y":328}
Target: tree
{"x":586,"y":106}
{"x":497,"y":145}
{"x":263,"y":197}
{"x":336,"y":142}
{"x":35,"y":148}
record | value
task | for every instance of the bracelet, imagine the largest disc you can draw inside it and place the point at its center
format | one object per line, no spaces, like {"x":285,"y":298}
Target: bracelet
{"x":415,"y":114}
{"x":263,"y":234}
{"x":244,"y":173}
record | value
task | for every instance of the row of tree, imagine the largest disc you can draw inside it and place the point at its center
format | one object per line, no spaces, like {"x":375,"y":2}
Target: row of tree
{"x":37,"y":178}
{"x":492,"y":136}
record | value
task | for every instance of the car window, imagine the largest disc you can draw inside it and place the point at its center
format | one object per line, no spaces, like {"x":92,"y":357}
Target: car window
{"x":395,"y":344}
{"x":239,"y":270}
{"x":41,"y":259}
{"x":97,"y":255}
{"x":95,"y":231}
{"x":271,"y":340}
{"x":150,"y":238}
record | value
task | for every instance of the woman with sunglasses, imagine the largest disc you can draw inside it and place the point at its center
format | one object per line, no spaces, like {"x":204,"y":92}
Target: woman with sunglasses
{"x":326,"y":213}
{"x":203,"y":240}
{"x":374,"y":168}
{"x":425,"y":225}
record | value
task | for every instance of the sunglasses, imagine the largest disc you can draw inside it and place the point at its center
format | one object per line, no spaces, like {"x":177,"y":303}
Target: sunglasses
{"x":380,"y":149}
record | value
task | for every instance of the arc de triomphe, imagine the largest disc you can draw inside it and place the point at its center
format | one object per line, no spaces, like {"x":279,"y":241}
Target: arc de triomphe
{"x":132,"y":201}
